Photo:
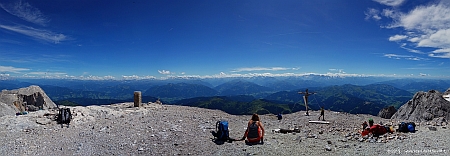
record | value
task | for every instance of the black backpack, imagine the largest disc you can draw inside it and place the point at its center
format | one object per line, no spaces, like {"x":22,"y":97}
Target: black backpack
{"x":403,"y":127}
{"x":279,"y":116}
{"x":64,"y":116}
{"x":222,"y":131}
{"x":253,"y":130}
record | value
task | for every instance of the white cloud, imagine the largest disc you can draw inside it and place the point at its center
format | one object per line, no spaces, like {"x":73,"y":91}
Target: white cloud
{"x":132,"y":77}
{"x":439,"y":39}
{"x":46,"y":73}
{"x":426,"y":18}
{"x":4,"y":76}
{"x":392,"y":3}
{"x":406,"y":57}
{"x":26,"y":12}
{"x":12,"y":69}
{"x":403,"y":46}
{"x":425,"y":26}
{"x":372,"y":13}
{"x":414,"y":39}
{"x":440,"y":53}
{"x":394,"y":55}
{"x":165,"y":72}
{"x":44,"y":35}
{"x":442,"y":50}
{"x":390,"y":13}
{"x":237,"y":75}
{"x":337,"y":70}
{"x":263,"y":69}
{"x":397,"y":37}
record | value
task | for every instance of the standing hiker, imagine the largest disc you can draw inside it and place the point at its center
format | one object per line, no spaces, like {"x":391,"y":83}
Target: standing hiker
{"x":322,"y":114}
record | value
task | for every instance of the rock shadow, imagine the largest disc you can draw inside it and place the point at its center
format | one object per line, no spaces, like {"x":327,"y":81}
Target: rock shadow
{"x":254,"y":143}
{"x":221,"y":142}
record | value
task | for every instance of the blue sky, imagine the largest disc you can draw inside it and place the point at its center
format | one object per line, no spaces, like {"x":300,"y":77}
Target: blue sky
{"x":98,"y":39}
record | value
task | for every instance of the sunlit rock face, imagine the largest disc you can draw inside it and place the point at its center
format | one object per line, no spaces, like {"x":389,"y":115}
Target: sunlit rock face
{"x":387,"y":112}
{"x":31,"y":98}
{"x":425,"y":106}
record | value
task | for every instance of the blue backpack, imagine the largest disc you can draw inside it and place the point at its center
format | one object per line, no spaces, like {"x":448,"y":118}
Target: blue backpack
{"x":222,"y":130}
{"x":411,"y":127}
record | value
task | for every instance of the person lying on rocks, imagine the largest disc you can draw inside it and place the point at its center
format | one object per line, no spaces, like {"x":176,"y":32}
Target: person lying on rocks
{"x":255,"y":130}
{"x":377,"y":130}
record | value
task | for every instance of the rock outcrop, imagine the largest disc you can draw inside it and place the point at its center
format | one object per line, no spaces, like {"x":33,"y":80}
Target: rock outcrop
{"x":387,"y":112}
{"x":31,"y":98}
{"x":425,"y":106}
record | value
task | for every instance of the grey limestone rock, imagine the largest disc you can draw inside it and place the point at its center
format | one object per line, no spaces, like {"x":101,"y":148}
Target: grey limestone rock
{"x":424,"y":106}
{"x":328,"y":148}
{"x":431,"y":128}
{"x":31,"y":98}
{"x":387,"y":112}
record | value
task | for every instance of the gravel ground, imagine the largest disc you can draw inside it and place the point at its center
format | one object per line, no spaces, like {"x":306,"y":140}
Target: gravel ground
{"x":154,"y":129}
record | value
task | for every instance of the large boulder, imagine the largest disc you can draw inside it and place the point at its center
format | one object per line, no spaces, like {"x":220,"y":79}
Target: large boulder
{"x":387,"y":112}
{"x":6,"y":109}
{"x":31,"y":98}
{"x":425,"y":106}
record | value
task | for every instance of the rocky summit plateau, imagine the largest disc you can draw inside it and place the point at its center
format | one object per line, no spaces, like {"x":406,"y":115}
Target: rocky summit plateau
{"x":158,"y":129}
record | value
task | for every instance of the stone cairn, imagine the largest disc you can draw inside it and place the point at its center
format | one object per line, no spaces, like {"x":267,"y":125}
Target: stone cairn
{"x":137,"y":98}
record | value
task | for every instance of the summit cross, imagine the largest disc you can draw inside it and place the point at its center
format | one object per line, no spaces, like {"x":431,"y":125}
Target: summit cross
{"x":305,"y":98}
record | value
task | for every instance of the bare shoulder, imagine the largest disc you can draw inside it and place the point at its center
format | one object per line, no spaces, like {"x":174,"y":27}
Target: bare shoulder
{"x":259,"y":123}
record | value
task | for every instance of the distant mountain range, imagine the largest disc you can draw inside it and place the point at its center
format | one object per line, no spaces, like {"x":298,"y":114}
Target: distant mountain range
{"x":254,"y":94}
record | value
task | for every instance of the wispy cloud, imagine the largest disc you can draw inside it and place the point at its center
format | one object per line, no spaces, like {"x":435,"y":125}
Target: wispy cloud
{"x":404,"y":46}
{"x":165,"y":72}
{"x":406,"y":57}
{"x":425,"y":26}
{"x":441,"y":53}
{"x":39,"y":34}
{"x":263,"y":69}
{"x":133,"y":77}
{"x":397,"y":37}
{"x":392,"y":3}
{"x":337,"y":70}
{"x":12,"y":69}
{"x":10,"y":41}
{"x":26,"y":12}
{"x":17,"y":57}
{"x":372,"y":13}
{"x":46,"y":73}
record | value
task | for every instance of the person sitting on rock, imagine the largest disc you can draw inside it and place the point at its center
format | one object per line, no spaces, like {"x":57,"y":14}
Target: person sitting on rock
{"x":255,"y":130}
{"x":364,"y":124}
{"x":370,"y":122}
